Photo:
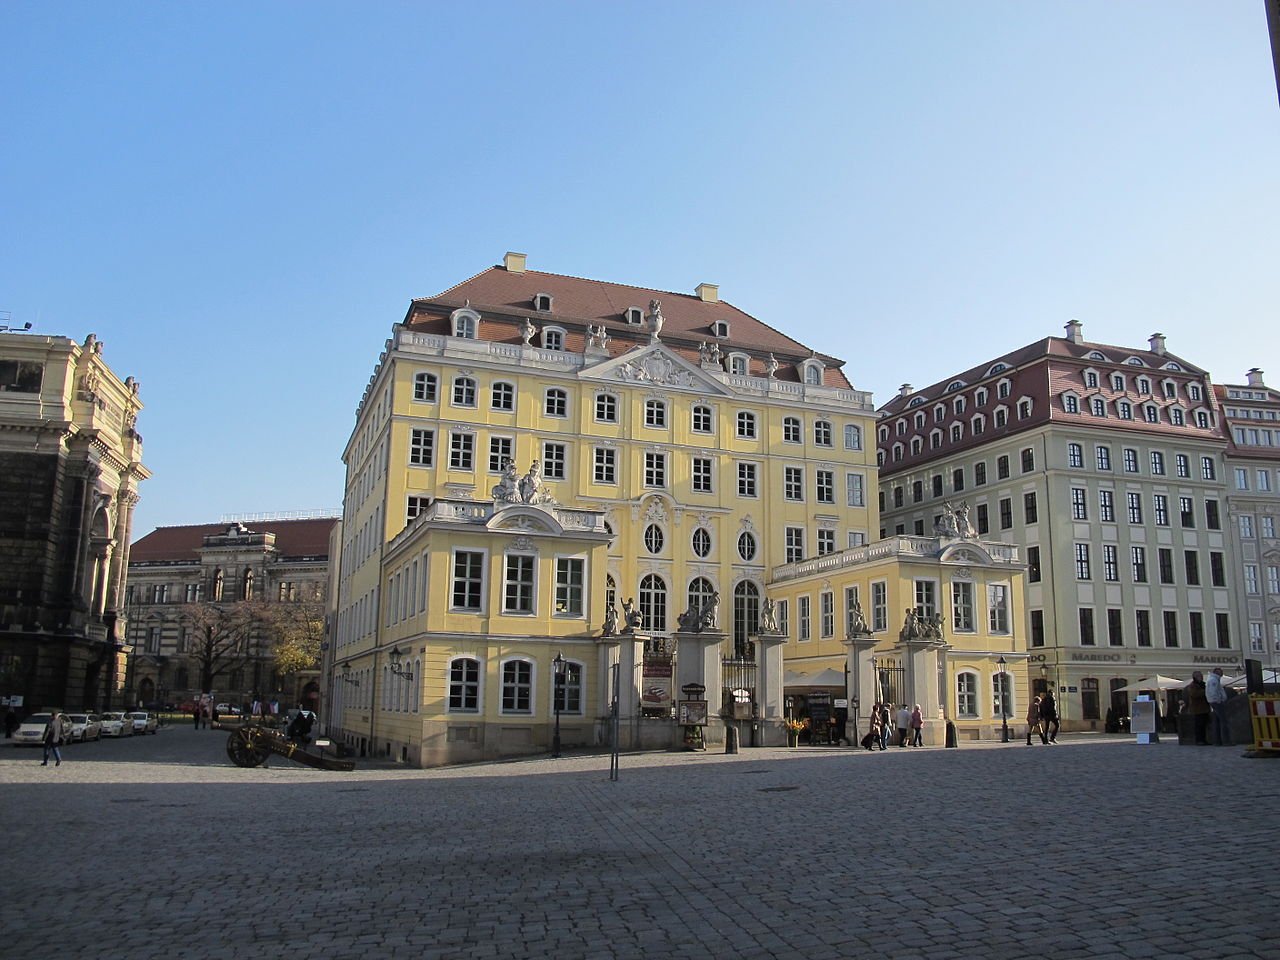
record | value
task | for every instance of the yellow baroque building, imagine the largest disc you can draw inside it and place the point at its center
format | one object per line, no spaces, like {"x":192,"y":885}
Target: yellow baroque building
{"x":540,"y":460}
{"x":913,"y":620}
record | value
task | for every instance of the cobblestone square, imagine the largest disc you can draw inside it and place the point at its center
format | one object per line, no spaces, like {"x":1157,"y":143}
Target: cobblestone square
{"x":1095,"y":847}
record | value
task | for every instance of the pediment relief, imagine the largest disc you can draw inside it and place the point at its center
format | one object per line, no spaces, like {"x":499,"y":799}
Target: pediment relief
{"x":968,"y":554}
{"x":655,"y":364}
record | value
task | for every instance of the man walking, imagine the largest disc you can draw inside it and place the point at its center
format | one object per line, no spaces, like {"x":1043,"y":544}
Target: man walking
{"x":1048,"y":718}
{"x":53,"y":739}
{"x":1216,"y":694}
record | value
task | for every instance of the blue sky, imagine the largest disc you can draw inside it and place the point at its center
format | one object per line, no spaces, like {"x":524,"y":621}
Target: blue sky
{"x":241,"y":199}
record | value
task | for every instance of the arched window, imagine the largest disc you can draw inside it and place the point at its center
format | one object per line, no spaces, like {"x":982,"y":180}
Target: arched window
{"x":568,"y":691}
{"x":466,"y":323}
{"x":967,"y":695}
{"x":610,"y":592}
{"x":553,"y":338}
{"x":424,"y":387}
{"x":517,"y":686}
{"x":653,"y":604}
{"x":700,"y":592}
{"x":464,"y":392}
{"x":1002,"y":695}
{"x":813,"y":373}
{"x":246,"y":585}
{"x":747,"y":546}
{"x":416,"y":700}
{"x":852,"y":436}
{"x":217,"y":585}
{"x":746,"y":615}
{"x":738,"y":364}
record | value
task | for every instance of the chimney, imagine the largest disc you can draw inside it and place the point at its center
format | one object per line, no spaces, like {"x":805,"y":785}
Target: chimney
{"x":1157,"y":343}
{"x":708,"y":292}
{"x":1075,"y":331}
{"x":904,"y":390}
{"x":1255,"y":378}
{"x":514,"y":262}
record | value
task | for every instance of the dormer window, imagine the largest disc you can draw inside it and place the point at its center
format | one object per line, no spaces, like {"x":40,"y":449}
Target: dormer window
{"x":1202,"y":419}
{"x":1097,"y":355}
{"x":542,"y":302}
{"x":997,"y":368}
{"x":1144,"y":386}
{"x":552,"y":338}
{"x":1172,"y":366}
{"x":1169,"y":388}
{"x":1098,"y":407}
{"x":1091,"y":379}
{"x":939,"y":413}
{"x":980,"y":396}
{"x":1117,"y":381}
{"x":1177,"y":417}
{"x":720,"y":329}
{"x":957,"y":405}
{"x":738,"y":364}
{"x":813,"y":373}
{"x":919,"y":421}
{"x":635,"y":316}
{"x":916,"y":402}
{"x":1070,"y":403}
{"x":954,"y":385}
{"x":1003,"y":388}
{"x":465,"y":323}
{"x":1135,"y":362}
{"x":1193,"y":391}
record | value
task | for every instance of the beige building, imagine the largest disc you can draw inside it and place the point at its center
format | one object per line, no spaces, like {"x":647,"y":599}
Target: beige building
{"x":1105,"y":466}
{"x":1251,"y":422}
{"x":70,"y":466}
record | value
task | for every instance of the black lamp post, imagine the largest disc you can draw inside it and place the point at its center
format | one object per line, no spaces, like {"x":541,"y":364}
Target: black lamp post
{"x":561,"y":665}
{"x":1004,"y":704}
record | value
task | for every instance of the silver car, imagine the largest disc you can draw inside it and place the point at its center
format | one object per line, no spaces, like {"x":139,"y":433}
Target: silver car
{"x":85,"y":726}
{"x":143,"y":722}
{"x":30,"y":732}
{"x":115,"y":724}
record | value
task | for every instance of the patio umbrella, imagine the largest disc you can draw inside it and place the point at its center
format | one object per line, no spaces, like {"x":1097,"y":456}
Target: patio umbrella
{"x":794,"y":678}
{"x":826,"y":678}
{"x":1156,"y":682}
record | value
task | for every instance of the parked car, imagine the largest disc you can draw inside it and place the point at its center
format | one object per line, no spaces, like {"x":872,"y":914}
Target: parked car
{"x":228,"y":708}
{"x":143,"y":722}
{"x":116,"y":725}
{"x":85,"y":726}
{"x":30,"y":732}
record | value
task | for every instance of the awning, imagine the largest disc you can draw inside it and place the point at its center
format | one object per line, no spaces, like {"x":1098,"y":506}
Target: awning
{"x":823,"y":678}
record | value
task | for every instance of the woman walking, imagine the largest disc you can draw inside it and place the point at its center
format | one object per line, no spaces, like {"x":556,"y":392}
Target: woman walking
{"x":1033,"y":718}
{"x":917,"y":727}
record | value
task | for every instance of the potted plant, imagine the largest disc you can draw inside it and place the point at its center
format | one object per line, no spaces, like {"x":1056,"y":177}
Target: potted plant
{"x":794,"y":726}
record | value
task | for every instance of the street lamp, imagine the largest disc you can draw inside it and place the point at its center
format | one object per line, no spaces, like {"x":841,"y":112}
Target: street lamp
{"x":395,"y":656}
{"x":561,"y":665}
{"x":346,"y":677}
{"x":1004,"y":704}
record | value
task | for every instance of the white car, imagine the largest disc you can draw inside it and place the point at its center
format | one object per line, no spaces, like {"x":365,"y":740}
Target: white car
{"x":30,"y":732}
{"x":143,"y":722}
{"x":116,"y":725}
{"x":85,"y":726}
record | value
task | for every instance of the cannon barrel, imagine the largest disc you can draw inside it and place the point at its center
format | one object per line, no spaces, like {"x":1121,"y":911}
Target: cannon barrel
{"x":250,"y":744}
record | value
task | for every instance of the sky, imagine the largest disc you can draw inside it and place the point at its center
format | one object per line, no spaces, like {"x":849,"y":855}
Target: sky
{"x":241,"y":199}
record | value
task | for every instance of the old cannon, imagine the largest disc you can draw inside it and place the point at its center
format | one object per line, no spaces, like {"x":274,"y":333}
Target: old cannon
{"x":250,"y":744}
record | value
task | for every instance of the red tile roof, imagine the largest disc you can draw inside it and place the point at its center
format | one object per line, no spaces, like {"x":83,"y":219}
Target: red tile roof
{"x":294,"y":538}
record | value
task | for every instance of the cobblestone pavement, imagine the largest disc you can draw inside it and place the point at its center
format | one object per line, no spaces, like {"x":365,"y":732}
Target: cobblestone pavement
{"x":1093,"y":848}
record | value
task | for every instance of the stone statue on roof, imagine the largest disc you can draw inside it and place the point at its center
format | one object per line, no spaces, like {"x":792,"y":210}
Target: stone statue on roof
{"x":654,"y":320}
{"x":771,"y":367}
{"x":528,"y":331}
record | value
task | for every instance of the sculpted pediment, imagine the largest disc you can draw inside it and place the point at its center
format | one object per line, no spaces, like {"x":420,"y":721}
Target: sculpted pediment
{"x":654,"y":364}
{"x":524,"y":520}
{"x":966,"y":553}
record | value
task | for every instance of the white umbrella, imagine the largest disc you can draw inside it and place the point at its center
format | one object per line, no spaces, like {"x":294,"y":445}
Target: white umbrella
{"x":1157,"y":682}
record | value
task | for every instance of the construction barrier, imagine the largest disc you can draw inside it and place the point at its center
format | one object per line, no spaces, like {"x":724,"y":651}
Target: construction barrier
{"x":1265,"y":713}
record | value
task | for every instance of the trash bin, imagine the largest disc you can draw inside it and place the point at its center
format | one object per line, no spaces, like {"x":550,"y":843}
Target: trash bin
{"x":952,"y":739}
{"x":1186,"y":729}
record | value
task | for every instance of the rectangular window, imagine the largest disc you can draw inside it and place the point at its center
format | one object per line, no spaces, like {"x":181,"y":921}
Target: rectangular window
{"x":879,"y":607}
{"x":606,"y":467}
{"x":1211,"y":518}
{"x":852,"y":437}
{"x":702,"y":475}
{"x":1157,"y":463}
{"x":701,"y":419}
{"x":1033,"y":564}
{"x":1143,"y":620}
{"x":1028,"y":460}
{"x":1208,"y":470}
{"x":568,"y":692}
{"x":794,"y":538}
{"x":553,"y":461}
{"x":1182,"y":465}
{"x":979,"y":474}
{"x":1130,"y":460}
{"x":826,"y":542}
{"x":1087,"y":638}
{"x":422,"y":444}
{"x":1103,"y":455}
{"x":1170,"y":628}
{"x":802,"y":617}
{"x":569,"y":586}
{"x":1082,"y":561}
{"x":962,"y":606}
{"x":1165,"y":558}
{"x":468,"y":580}
{"x":1217,"y":569}
{"x":793,"y":483}
{"x":984,"y":523}
{"x":822,"y":433}
{"x":1255,"y":637}
{"x":1115,"y":627}
{"x":518,"y":589}
{"x":1079,"y":505}
{"x":998,"y":608}
{"x":937,"y":484}
{"x":1106,"y":506}
{"x":1242,"y":478}
{"x":1135,"y":507}
{"x":655,"y":469}
{"x":1273,"y":579}
{"x":655,"y":413}
{"x":852,"y":607}
{"x":746,"y":479}
{"x":462,"y":449}
{"x":1269,"y":527}
{"x":1161,"y":504}
{"x":1246,"y":526}
{"x":854,"y":490}
{"x":746,"y":425}
{"x":606,"y":408}
{"x":415,"y":506}
{"x":1075,"y":456}
{"x":926,"y":599}
{"x":499,"y":453}
{"x":1186,"y":511}
{"x":1191,"y":563}
{"x":1110,"y":564}
{"x":827,"y":614}
{"x":1029,"y":508}
{"x":1002,"y":468}
{"x":517,"y":686}
{"x":826,"y":486}
{"x":1006,"y":513}
{"x":1223,"y":623}
{"x":1197,"y":628}
{"x":1139,"y":557}
{"x":1037,"y":628}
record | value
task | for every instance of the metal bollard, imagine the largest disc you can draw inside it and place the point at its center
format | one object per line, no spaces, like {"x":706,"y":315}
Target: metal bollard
{"x":731,"y":738}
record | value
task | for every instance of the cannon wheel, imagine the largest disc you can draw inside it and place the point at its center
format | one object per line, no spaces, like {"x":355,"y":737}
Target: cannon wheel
{"x":244,"y":749}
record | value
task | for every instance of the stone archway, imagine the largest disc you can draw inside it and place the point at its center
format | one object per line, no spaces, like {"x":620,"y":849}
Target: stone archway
{"x":146,"y":690}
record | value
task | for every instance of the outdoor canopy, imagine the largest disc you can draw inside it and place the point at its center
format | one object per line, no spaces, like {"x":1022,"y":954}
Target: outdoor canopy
{"x":1157,"y":682}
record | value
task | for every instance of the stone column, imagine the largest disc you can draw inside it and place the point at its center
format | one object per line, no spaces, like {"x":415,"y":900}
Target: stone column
{"x":626,"y":651}
{"x":698,"y":661}
{"x":769,"y":684}
{"x":920,"y":659}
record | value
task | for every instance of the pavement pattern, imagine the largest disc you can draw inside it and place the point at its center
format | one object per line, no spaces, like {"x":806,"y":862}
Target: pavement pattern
{"x":1096,"y":847}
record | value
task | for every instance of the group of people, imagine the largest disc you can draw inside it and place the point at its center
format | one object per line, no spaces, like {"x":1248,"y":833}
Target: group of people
{"x":1206,"y":701}
{"x":909,"y":723}
{"x":1042,"y":718}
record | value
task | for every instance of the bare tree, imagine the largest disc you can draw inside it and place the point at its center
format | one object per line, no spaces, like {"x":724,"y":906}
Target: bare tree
{"x":224,"y":635}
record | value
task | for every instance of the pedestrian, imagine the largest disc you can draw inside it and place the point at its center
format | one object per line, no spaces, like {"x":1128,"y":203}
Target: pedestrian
{"x":1033,"y":718}
{"x":873,"y":732}
{"x":53,"y":739}
{"x":1216,"y":694}
{"x":885,"y":724}
{"x":195,"y":715}
{"x":10,"y":724}
{"x":1197,"y":704}
{"x":904,"y":724}
{"x":214,"y":708}
{"x":1048,"y":718}
{"x":917,"y":727}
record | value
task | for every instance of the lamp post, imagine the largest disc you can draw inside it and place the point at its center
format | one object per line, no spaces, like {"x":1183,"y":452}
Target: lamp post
{"x":394,"y":659}
{"x":1004,"y":703}
{"x":560,"y":664}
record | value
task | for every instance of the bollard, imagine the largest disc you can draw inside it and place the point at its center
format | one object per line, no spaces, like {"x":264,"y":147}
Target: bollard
{"x":952,"y":739}
{"x":730,"y":738}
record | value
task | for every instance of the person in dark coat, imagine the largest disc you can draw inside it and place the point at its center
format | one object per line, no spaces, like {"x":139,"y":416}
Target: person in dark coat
{"x":1048,"y":718}
{"x":53,"y":739}
{"x":1198,"y":707}
{"x":10,"y":724}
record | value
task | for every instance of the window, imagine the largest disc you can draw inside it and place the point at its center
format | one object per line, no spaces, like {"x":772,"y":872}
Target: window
{"x":1217,"y":569}
{"x":825,"y":486}
{"x":1103,"y":455}
{"x":1182,"y":465}
{"x":653,"y":604}
{"x":421,"y":447}
{"x":607,"y":408}
{"x":1157,"y":463}
{"x":1079,"y":504}
{"x":654,"y":538}
{"x":1037,"y":628}
{"x":557,"y":403}
{"x":462,"y":451}
{"x":1177,"y":417}
{"x":1246,"y":526}
{"x":414,"y":507}
{"x":1082,"y":561}
{"x":568,"y":693}
{"x":542,"y":302}
{"x":424,"y":387}
{"x":1207,"y":469}
{"x":655,"y":413}
{"x":1087,"y":638}
{"x":962,"y":618}
{"x":1196,"y":622}
{"x":802,"y":616}
{"x":917,"y":491}
{"x":1264,"y":481}
{"x":655,"y":469}
{"x":1124,"y":409}
{"x":979,"y":474}
{"x":1255,"y":637}
{"x":464,"y":392}
{"x":701,"y":542}
{"x":518,"y":592}
{"x":1211,"y":518}
{"x":822,"y":433}
{"x":1135,"y":507}
{"x":569,"y":586}
{"x":499,"y":453}
{"x":1115,"y":627}
{"x":1075,"y":456}
{"x":1170,"y":628}
{"x":1268,"y":524}
{"x":738,"y":364}
{"x":1138,"y":556}
{"x":746,"y":426}
{"x":826,"y":542}
{"x":503,"y":397}
{"x":702,"y":475}
{"x":967,"y":695}
{"x":791,"y":430}
{"x":1070,"y":403}
{"x":701,"y":419}
{"x":1110,"y":565}
{"x":998,"y":608}
{"x":1024,"y":409}
{"x":854,"y":492}
{"x":1090,"y":379}
{"x":1186,"y":512}
{"x":1002,"y":468}
{"x":747,"y":546}
{"x":1144,"y":386}
{"x":1028,"y":460}
{"x":957,"y":479}
{"x":1223,"y":624}
{"x":1160,"y":503}
{"x":793,"y":483}
{"x":852,"y":436}
{"x":1098,"y":407}
{"x":464,"y":685}
{"x":517,"y":686}
{"x":605,"y":465}
{"x":879,"y":606}
{"x":1143,"y":620}
{"x":851,"y":606}
{"x":1029,"y":514}
{"x":1033,"y":564}
{"x":794,"y":544}
{"x":468,"y":580}
{"x":1151,"y":413}
{"x":1106,"y":506}
{"x":1164,"y":557}
{"x":1006,"y":513}
{"x":984,"y":523}
{"x":1242,"y":478}
{"x":826,"y":614}
{"x":1251,"y":579}
{"x":746,"y":479}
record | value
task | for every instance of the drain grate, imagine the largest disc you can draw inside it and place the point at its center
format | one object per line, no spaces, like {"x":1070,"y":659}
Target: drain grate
{"x":777,"y":789}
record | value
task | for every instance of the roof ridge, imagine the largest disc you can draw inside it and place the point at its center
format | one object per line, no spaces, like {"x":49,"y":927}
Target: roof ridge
{"x":460,"y":283}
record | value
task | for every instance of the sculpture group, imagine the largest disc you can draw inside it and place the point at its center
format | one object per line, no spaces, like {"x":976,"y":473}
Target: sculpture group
{"x":516,"y":489}
{"x":955,"y":523}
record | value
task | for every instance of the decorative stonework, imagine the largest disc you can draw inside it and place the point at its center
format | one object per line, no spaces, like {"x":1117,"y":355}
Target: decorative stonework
{"x":654,"y":367}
